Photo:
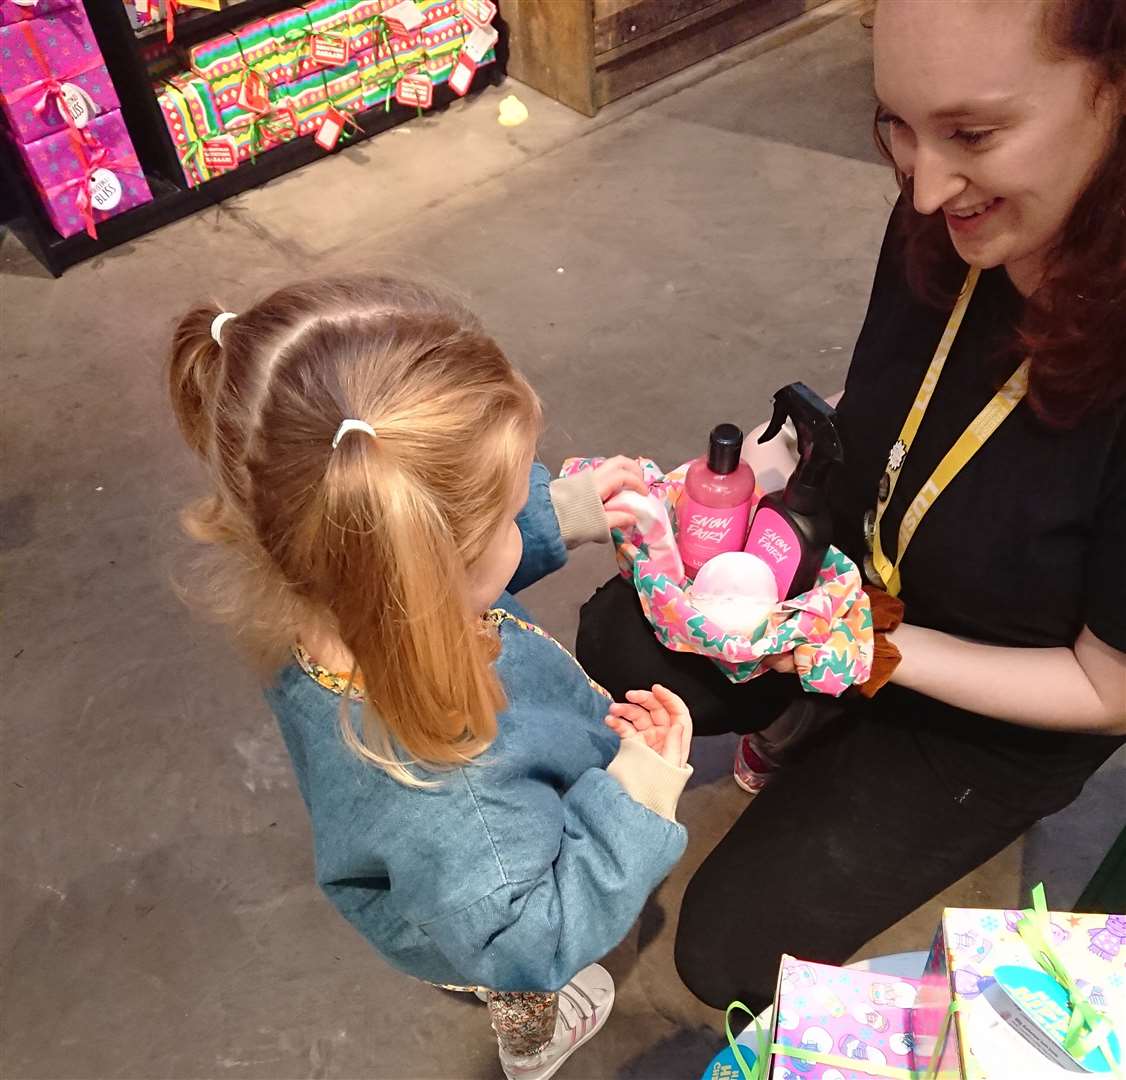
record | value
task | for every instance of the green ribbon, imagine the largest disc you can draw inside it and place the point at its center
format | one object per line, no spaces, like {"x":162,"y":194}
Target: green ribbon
{"x":267,"y":123}
{"x":194,"y":149}
{"x":1089,"y":1029}
{"x":766,"y":1051}
{"x":348,"y":114}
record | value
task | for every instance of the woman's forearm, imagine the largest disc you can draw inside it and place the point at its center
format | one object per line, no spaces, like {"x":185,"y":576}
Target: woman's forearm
{"x":1081,"y":689}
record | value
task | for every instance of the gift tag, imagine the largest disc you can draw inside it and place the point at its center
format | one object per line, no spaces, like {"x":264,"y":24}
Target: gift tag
{"x":403,"y":18}
{"x":26,"y":3}
{"x":462,"y":75}
{"x":329,"y":49}
{"x":478,"y":12}
{"x":1035,"y":1006}
{"x":220,"y":153}
{"x":415,"y":90}
{"x":479,"y":42}
{"x":105,"y":190}
{"x":329,"y":130}
{"x":78,"y":104}
{"x":254,"y":94}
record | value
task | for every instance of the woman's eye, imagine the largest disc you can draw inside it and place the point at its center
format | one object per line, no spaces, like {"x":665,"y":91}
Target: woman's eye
{"x":885,"y":117}
{"x":972,"y":138}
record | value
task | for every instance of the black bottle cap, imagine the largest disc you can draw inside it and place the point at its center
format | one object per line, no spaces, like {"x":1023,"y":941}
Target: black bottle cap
{"x":724,"y":446}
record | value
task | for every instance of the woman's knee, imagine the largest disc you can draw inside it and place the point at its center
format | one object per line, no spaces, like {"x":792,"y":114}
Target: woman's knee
{"x":712,"y":955}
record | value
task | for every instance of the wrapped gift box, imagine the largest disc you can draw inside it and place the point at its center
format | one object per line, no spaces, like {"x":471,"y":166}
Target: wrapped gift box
{"x":42,"y":55}
{"x":216,"y":58}
{"x":64,"y":168}
{"x":1009,"y":1015}
{"x":291,"y":29}
{"x":365,"y":26}
{"x":258,"y":133}
{"x":307,"y":98}
{"x":831,"y":1022}
{"x":189,"y":112}
{"x":11,"y":12}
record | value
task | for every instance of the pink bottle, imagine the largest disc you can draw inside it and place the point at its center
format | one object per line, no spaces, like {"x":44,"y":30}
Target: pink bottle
{"x":715,"y":506}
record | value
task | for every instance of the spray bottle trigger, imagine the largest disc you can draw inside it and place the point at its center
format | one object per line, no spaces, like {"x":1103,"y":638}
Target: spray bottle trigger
{"x":776,"y":421}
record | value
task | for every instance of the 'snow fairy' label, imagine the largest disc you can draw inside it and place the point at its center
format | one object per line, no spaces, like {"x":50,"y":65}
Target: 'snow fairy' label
{"x":705,"y":531}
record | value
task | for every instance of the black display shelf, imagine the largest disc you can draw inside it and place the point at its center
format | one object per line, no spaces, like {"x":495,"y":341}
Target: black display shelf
{"x":172,"y":198}
{"x":194,"y":25}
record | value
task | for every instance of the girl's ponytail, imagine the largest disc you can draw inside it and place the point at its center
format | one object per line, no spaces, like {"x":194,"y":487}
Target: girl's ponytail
{"x":398,"y":594}
{"x":193,"y":375}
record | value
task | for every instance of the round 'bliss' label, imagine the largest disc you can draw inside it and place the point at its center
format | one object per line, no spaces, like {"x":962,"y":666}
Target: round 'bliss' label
{"x":105,"y":190}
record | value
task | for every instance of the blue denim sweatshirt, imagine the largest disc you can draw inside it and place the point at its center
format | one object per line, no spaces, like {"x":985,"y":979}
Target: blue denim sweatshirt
{"x":517,"y":870}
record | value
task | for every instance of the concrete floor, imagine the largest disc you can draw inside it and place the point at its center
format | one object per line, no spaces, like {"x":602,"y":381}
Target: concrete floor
{"x":707,"y":240}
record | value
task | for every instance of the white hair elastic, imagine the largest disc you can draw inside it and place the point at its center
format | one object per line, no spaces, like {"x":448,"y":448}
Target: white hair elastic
{"x":217,"y":325}
{"x":352,"y":425}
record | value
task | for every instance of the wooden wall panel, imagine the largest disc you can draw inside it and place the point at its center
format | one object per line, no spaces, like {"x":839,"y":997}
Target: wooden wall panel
{"x":551,"y":48}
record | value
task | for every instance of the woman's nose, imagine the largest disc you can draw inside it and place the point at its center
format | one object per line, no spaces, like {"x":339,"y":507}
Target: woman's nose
{"x":933,"y":182}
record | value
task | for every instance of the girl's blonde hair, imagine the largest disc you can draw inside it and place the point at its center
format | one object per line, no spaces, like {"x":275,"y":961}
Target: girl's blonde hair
{"x":371,"y":540}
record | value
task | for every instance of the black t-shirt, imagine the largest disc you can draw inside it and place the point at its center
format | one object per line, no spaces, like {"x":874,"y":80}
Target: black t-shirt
{"x":1025,"y":546}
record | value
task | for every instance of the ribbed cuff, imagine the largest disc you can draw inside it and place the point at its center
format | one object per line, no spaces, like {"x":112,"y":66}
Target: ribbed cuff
{"x":648,"y":778}
{"x":579,"y":509}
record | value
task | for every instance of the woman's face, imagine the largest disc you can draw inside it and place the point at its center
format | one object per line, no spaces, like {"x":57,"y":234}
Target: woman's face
{"x":997,"y":134}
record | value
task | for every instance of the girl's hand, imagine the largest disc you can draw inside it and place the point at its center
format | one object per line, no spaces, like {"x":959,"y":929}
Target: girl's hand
{"x":658,"y":717}
{"x":614,"y":475}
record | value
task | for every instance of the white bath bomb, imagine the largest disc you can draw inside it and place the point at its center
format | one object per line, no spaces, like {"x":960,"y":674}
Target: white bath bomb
{"x":735,"y":590}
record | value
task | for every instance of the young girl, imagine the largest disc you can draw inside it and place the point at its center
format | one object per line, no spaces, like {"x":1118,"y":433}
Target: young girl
{"x":473,"y":816}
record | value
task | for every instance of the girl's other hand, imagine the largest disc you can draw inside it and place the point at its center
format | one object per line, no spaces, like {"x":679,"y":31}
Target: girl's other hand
{"x":614,"y":475}
{"x":658,"y":717}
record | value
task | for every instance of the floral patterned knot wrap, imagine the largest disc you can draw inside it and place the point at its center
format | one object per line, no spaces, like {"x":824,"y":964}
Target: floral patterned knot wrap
{"x":828,"y":629}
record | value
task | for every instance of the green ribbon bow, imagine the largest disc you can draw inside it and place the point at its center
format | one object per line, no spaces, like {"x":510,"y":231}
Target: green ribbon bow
{"x":766,"y":1050}
{"x":1089,"y":1029}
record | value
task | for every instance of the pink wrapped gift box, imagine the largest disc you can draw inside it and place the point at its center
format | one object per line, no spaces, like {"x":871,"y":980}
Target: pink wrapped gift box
{"x":62,"y":167}
{"x":52,"y":45}
{"x":830,"y":1023}
{"x":11,"y":12}
{"x":990,"y":1010}
{"x":40,"y":55}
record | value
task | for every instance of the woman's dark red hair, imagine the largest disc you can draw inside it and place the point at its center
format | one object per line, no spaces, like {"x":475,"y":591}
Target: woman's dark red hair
{"x":1073,"y":328}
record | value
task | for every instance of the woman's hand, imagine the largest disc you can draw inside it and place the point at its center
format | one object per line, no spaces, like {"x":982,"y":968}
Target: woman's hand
{"x":659,"y":718}
{"x":783,"y":663}
{"x":614,"y":475}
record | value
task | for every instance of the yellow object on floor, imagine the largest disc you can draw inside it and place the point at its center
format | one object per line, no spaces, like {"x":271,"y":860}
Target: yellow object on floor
{"x":511,"y":112}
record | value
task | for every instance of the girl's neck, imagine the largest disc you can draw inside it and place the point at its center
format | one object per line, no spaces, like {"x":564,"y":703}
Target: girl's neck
{"x":326,"y":648}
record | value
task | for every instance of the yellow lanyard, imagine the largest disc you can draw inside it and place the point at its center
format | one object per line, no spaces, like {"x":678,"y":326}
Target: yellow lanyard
{"x":880,"y":568}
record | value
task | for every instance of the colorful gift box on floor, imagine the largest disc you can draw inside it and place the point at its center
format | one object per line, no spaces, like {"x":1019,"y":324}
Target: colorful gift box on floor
{"x":833,"y":1023}
{"x":86,"y":177}
{"x":52,"y":69}
{"x":1029,"y":994}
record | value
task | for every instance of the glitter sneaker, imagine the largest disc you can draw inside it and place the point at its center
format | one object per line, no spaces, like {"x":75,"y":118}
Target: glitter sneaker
{"x":753,"y":768}
{"x":584,"y":1004}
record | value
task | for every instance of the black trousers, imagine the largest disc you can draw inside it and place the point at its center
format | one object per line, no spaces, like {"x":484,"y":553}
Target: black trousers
{"x":858,"y":830}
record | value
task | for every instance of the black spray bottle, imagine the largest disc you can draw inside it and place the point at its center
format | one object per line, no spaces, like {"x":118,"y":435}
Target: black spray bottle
{"x":791,"y":529}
